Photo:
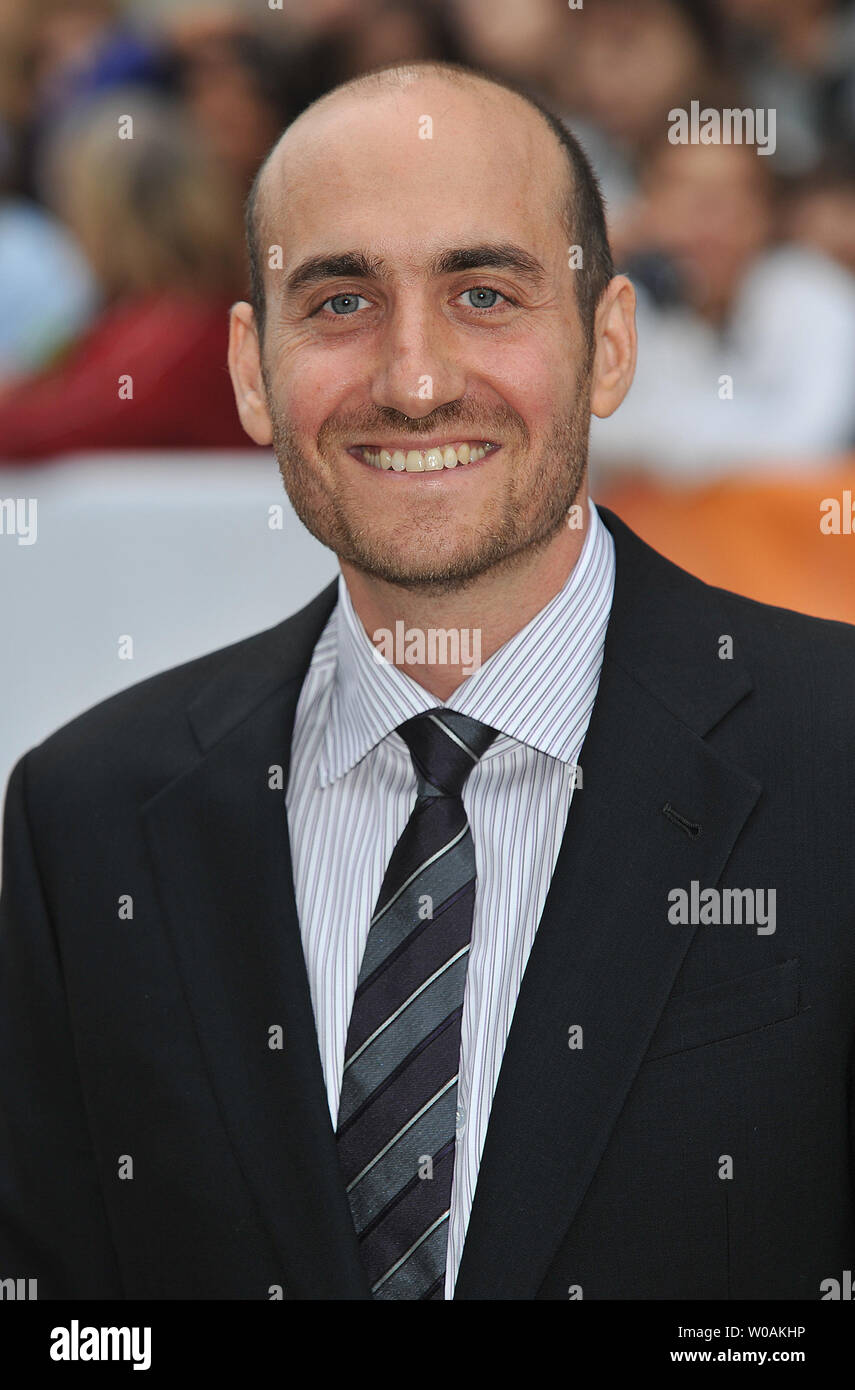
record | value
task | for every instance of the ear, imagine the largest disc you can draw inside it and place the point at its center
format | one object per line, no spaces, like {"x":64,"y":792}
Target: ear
{"x":615,"y":346}
{"x":245,"y":371}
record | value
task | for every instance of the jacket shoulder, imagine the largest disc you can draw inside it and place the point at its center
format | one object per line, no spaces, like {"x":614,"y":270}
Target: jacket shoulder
{"x":788,"y":632}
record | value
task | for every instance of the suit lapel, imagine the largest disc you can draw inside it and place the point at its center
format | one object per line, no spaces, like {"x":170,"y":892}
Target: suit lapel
{"x":219,"y":844}
{"x":605,"y":956}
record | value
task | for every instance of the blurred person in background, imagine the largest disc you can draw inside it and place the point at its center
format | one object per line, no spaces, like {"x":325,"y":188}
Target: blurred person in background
{"x":74,"y":51}
{"x":365,"y":35}
{"x":517,"y":39}
{"x":235,"y":85}
{"x":747,"y":345}
{"x":159,"y":222}
{"x":798,"y":56}
{"x":48,"y":292}
{"x":396,"y":31}
{"x":242,"y":80}
{"x":323,"y":17}
{"x":622,"y":65}
{"x":820,"y":212}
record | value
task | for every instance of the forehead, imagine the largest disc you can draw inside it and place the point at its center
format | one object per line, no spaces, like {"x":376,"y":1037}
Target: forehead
{"x":406,"y":171}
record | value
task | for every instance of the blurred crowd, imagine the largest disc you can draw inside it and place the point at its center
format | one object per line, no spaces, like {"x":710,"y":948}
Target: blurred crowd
{"x":121,"y":246}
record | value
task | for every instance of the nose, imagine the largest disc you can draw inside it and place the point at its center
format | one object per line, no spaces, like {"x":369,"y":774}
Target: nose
{"x":418,"y":367}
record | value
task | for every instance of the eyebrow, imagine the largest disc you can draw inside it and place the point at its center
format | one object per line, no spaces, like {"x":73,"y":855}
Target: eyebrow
{"x":489,"y":256}
{"x":346,"y":265}
{"x":359,"y":265}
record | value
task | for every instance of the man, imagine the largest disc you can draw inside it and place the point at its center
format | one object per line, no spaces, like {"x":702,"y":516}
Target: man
{"x":338,"y":966}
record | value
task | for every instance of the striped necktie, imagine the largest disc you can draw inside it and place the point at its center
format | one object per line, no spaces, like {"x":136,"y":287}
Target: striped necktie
{"x":397,"y":1112}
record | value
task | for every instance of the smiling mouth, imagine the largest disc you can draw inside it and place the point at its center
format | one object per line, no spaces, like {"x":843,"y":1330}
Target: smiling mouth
{"x":430,"y":460}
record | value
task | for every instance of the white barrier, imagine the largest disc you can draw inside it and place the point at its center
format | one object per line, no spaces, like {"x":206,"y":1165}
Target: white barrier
{"x":174,"y":550}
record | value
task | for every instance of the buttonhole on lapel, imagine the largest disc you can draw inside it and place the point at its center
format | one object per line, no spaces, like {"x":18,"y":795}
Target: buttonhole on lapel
{"x":691,"y":827}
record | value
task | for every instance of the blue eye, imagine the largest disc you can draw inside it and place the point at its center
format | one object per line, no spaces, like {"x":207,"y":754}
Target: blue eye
{"x":483,"y":298}
{"x":344,"y":303}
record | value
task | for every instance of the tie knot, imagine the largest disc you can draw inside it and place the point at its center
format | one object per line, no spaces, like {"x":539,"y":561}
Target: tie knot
{"x":444,"y":746}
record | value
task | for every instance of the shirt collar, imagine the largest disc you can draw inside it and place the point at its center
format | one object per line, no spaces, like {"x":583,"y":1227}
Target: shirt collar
{"x":538,"y":688}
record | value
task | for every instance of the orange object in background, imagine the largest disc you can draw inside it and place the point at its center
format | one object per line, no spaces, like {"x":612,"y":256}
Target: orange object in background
{"x":758,"y":536}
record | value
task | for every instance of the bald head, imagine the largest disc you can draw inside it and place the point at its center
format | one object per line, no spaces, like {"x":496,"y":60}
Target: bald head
{"x":533,"y":145}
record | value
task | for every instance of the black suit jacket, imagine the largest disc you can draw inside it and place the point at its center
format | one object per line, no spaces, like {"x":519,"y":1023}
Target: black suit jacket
{"x":698,"y":1145}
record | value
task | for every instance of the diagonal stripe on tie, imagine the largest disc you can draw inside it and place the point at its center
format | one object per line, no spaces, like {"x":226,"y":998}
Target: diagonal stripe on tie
{"x":406,"y":867}
{"x":416,"y":1264}
{"x":398,"y":940}
{"x":432,"y":944}
{"x":419,"y":1129}
{"x":396,"y":1123}
{"x":435,"y":877}
{"x":390,"y":1046}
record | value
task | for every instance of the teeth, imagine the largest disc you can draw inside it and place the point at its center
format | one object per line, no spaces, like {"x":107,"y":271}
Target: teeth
{"x":425,"y":460}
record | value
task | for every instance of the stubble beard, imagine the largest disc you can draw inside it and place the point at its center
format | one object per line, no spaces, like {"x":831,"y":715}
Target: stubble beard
{"x":516,"y":526}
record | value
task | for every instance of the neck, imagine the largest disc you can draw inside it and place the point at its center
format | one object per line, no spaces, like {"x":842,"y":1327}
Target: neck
{"x":472,"y":622}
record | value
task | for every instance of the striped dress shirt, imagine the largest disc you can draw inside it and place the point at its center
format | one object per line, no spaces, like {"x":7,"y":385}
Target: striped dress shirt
{"x":352,"y":787}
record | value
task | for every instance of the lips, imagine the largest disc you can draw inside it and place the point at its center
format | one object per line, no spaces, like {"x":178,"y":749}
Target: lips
{"x":432,"y":459}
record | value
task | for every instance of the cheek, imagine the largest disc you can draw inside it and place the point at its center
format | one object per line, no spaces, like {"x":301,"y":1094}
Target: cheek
{"x":312,"y":384}
{"x":533,"y":381}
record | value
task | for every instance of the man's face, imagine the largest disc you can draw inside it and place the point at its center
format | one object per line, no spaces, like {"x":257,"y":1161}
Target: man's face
{"x":425,"y":312}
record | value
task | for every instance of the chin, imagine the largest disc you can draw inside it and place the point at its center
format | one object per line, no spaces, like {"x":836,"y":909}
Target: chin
{"x":442,"y":575}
